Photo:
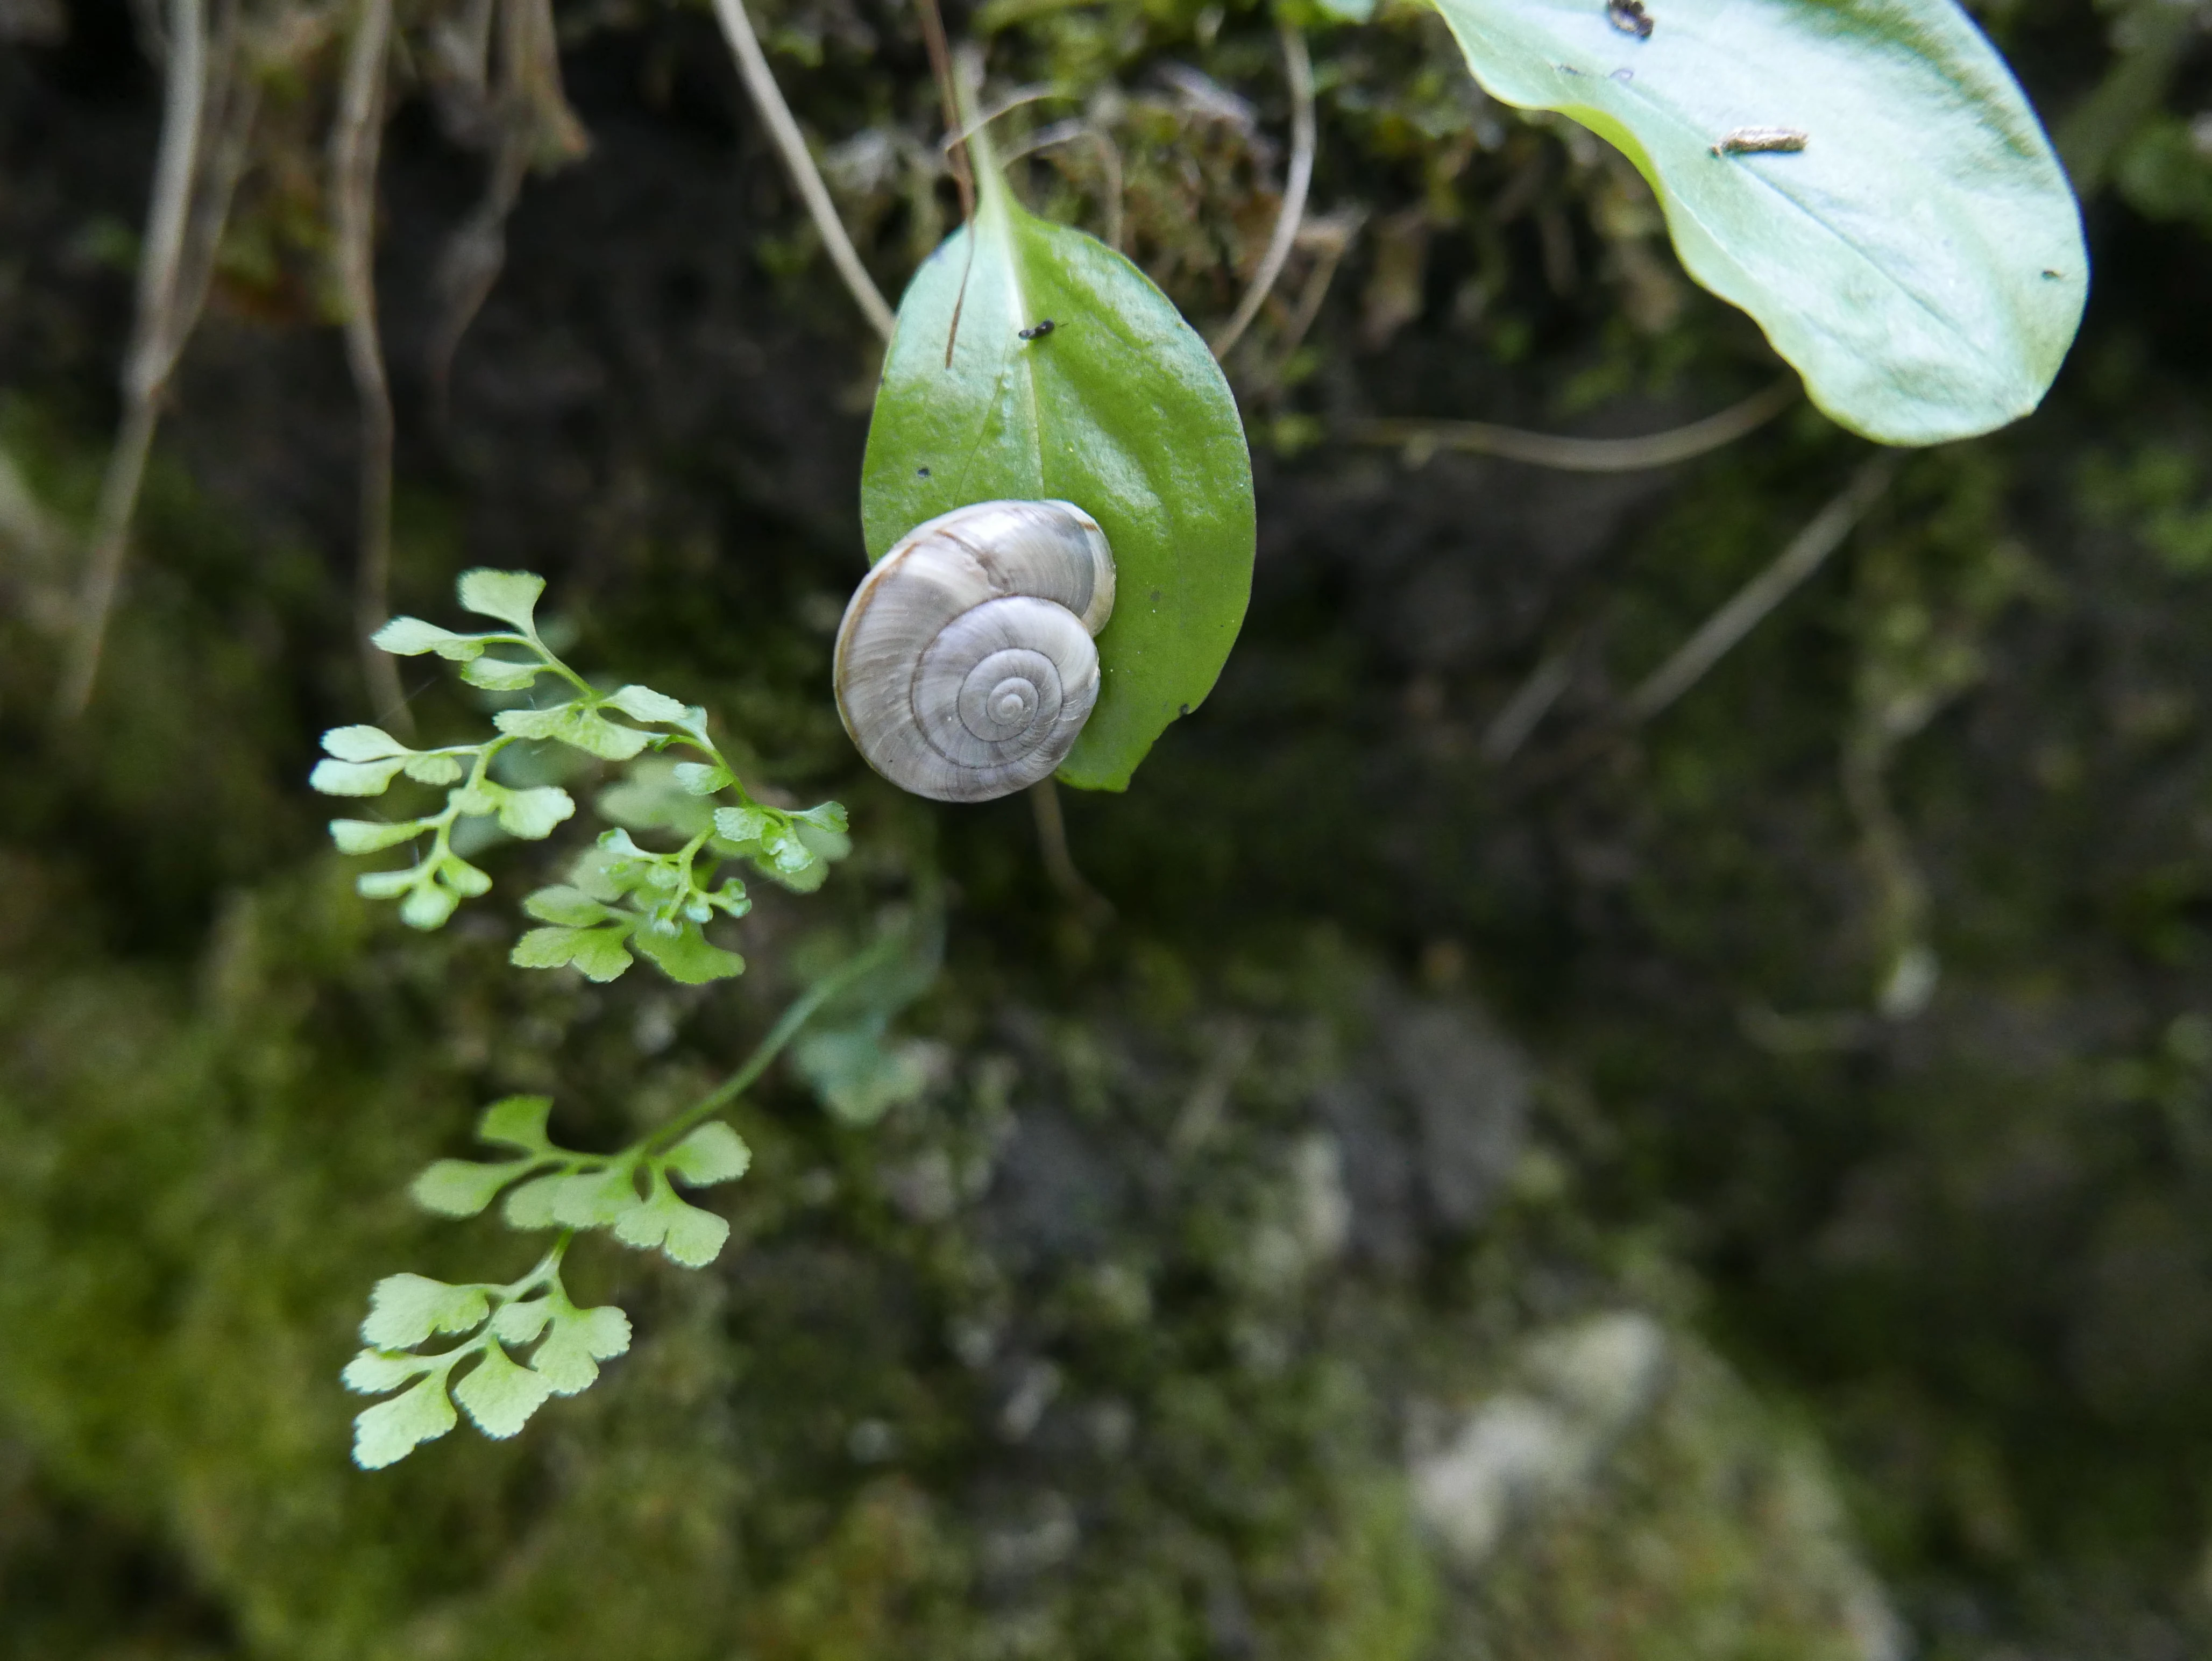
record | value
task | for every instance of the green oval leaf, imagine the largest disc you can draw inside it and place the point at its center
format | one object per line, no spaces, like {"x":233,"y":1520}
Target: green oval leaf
{"x":1117,"y":407}
{"x":1919,"y":260}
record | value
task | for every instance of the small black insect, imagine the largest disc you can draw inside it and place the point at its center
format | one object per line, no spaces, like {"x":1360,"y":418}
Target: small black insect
{"x":1039,"y":331}
{"x":1629,"y":17}
{"x":921,"y":472}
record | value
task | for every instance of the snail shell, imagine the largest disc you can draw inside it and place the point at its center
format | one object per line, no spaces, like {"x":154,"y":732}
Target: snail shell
{"x":965,"y":665}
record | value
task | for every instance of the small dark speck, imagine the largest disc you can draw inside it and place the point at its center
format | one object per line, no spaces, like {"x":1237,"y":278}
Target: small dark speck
{"x":1185,"y":710}
{"x":2053,"y":275}
{"x":921,"y":472}
{"x":1037,"y":332}
{"x":1156,"y":596}
{"x":1630,"y":18}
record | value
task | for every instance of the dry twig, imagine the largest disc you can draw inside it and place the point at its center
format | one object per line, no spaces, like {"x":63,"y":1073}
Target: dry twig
{"x":525,"y":120}
{"x":1299,"y":65}
{"x":1421,"y":438}
{"x":753,"y":66}
{"x":1058,"y":863}
{"x":146,"y":370}
{"x":355,"y":142}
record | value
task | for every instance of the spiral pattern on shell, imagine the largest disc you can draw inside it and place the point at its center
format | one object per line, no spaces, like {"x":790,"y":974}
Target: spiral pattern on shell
{"x":965,"y":664}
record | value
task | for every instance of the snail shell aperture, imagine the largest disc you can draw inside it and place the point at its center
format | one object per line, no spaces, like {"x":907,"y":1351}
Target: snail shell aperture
{"x":965,"y":665}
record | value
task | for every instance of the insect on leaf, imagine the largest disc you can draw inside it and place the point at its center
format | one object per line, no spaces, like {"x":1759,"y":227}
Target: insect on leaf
{"x":1863,"y":176}
{"x":1119,"y":408}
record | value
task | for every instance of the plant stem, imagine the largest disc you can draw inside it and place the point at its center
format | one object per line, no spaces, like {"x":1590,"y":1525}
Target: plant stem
{"x":152,"y":354}
{"x":738,"y":29}
{"x":1679,"y":443}
{"x":787,"y":1027}
{"x":355,"y":144}
{"x":1299,"y":64}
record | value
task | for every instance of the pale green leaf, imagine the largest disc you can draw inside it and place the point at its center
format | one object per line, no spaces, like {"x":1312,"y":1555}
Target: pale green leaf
{"x":713,"y":1153}
{"x":531,"y":815}
{"x":503,"y":674}
{"x":746,"y":825}
{"x":572,"y":724}
{"x":509,"y":596}
{"x":410,"y":637}
{"x":1119,"y":409}
{"x":684,"y":1233}
{"x":463,"y":878}
{"x":545,"y":948}
{"x":354,"y":778}
{"x":370,"y":835}
{"x":374,"y":1372}
{"x":403,"y":1310}
{"x":571,"y":907}
{"x":581,"y":1338}
{"x":687,"y":955}
{"x":644,"y":704}
{"x":463,"y":1187}
{"x":389,"y":885}
{"x":390,"y":1431}
{"x":701,"y":778}
{"x":531,"y":1206}
{"x":540,"y":723}
{"x":599,"y":955}
{"x":795,"y":866}
{"x":516,"y":1122}
{"x":828,"y":816}
{"x":434,"y":768}
{"x":362,"y":744}
{"x":822,"y":840}
{"x":593,"y":1200}
{"x":520,"y":1323}
{"x":695,"y":1237}
{"x":499,"y":1395}
{"x":654,"y":802}
{"x":428,"y":905}
{"x":1919,"y":259}
{"x":858,"y":1074}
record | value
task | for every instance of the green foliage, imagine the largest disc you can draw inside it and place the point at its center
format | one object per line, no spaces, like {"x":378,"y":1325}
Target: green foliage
{"x":627,"y":1193}
{"x":622,"y":899}
{"x":1919,"y":258}
{"x":1116,"y":406}
{"x":499,"y":1393}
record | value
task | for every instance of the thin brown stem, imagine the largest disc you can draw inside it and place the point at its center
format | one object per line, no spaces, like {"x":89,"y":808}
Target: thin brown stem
{"x":356,"y":144}
{"x":752,"y":65}
{"x":152,"y":356}
{"x":1341,"y":228}
{"x":1421,"y":438}
{"x":1058,"y":863}
{"x":940,"y":69}
{"x":1299,"y":65}
{"x":1804,"y":554}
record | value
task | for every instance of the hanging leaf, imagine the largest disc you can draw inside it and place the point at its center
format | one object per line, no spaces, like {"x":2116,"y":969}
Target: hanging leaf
{"x":1864,"y":177}
{"x":1072,"y":378}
